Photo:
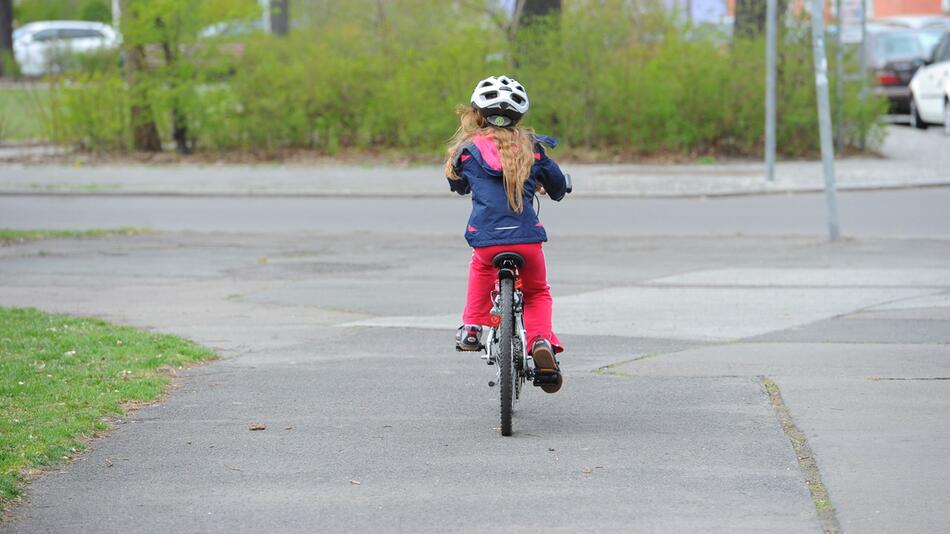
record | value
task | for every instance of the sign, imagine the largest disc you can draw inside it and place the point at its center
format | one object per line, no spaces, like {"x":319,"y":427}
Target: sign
{"x":851,"y":19}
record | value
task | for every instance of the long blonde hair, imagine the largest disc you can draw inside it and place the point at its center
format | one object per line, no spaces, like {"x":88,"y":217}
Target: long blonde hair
{"x":515,"y":145}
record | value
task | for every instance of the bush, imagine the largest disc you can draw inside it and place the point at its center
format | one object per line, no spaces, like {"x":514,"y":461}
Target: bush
{"x":92,"y":112}
{"x":608,"y":76}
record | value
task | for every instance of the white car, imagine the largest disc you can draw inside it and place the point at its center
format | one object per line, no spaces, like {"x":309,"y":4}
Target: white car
{"x":40,"y":47}
{"x":930,"y":89}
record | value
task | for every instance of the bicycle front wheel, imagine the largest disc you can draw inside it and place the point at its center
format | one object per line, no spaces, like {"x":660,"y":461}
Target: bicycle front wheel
{"x":506,"y":331}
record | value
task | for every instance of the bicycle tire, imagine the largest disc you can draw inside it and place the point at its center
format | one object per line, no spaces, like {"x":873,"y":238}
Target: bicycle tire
{"x":505,"y":333}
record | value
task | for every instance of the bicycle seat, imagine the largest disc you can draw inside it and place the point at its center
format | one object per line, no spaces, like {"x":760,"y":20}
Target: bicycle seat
{"x":503,"y":257}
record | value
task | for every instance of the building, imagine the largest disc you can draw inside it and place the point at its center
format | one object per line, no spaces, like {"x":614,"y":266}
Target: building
{"x":883,"y":8}
{"x":891,"y":8}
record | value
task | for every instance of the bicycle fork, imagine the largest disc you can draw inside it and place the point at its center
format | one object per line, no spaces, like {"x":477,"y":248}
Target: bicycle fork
{"x":491,"y":347}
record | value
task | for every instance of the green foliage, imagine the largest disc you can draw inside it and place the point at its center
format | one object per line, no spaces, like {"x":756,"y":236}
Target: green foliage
{"x":92,"y":112}
{"x":607,"y":75}
{"x":33,"y":10}
{"x":61,"y":376}
{"x":23,"y":113}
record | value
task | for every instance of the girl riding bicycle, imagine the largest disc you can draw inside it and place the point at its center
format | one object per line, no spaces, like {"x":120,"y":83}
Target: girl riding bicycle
{"x":503,"y":164}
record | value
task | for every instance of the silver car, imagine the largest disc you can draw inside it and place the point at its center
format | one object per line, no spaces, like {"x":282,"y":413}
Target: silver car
{"x":40,"y":47}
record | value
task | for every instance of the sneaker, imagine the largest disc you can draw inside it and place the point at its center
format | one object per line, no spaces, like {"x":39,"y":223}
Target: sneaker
{"x":547,"y":373}
{"x":468,"y":338}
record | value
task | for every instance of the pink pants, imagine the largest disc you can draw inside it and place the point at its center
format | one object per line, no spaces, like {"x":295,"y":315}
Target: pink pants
{"x":482,"y":276}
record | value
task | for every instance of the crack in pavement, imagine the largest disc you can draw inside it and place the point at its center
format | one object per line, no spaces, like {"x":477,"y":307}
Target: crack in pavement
{"x":806,"y":460}
{"x":885,"y":378}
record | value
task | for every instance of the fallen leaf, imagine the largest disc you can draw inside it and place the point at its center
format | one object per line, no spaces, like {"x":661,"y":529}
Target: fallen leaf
{"x":587,"y":471}
{"x":288,"y":428}
{"x":257,"y":426}
{"x":232,"y":468}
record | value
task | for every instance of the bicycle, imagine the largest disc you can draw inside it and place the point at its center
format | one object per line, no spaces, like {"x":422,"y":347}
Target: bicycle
{"x":506,"y":343}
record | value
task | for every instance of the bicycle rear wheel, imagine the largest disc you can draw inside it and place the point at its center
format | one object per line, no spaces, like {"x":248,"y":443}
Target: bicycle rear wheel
{"x":505,"y":333}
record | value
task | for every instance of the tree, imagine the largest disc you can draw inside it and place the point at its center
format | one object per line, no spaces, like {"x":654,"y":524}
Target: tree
{"x":164,"y":56}
{"x":6,"y":33}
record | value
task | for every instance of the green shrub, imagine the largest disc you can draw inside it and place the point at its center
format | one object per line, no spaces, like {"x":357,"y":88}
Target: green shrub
{"x":32,"y":10}
{"x":610,"y":76}
{"x":92,"y":112}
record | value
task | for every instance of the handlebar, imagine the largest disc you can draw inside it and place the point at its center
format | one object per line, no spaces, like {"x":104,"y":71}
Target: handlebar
{"x":570,"y":186}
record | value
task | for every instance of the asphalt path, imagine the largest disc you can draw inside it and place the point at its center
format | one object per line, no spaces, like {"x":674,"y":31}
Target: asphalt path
{"x":896,"y":213}
{"x":335,"y":316}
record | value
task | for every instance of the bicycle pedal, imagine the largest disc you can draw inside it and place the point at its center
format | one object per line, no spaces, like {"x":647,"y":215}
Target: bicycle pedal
{"x":481,"y":348}
{"x":546,"y":378}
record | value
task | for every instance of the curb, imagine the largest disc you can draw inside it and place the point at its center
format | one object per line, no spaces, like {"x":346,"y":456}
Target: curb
{"x":441,"y":194}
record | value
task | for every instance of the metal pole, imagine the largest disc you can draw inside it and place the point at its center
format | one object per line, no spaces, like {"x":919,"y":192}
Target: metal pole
{"x":265,"y":13}
{"x":824,"y":115}
{"x":839,"y":82}
{"x":771,"y":30}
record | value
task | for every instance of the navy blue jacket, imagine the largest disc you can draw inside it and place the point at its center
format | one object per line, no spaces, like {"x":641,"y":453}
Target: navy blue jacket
{"x":492,"y":221}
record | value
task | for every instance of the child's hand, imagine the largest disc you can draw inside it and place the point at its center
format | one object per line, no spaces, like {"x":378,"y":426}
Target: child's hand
{"x":541,"y":190}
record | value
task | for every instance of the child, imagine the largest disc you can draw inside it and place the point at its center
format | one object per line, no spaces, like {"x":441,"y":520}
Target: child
{"x":503,"y":164}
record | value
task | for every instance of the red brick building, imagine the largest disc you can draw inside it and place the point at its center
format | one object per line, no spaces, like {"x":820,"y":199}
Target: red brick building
{"x":885,"y":8}
{"x":890,"y":8}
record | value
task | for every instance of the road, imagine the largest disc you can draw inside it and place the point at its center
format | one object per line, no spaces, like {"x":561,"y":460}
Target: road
{"x":698,"y":360}
{"x":910,"y":212}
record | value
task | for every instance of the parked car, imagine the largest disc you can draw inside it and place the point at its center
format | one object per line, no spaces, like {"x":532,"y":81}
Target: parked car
{"x":916,"y":22}
{"x":930,"y":37}
{"x":929,"y":28}
{"x":930,"y":89}
{"x":39,"y":47}
{"x":894,"y":55}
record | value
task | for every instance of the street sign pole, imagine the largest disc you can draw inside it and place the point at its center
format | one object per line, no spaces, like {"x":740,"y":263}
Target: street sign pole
{"x":771,"y":30}
{"x":824,"y":115}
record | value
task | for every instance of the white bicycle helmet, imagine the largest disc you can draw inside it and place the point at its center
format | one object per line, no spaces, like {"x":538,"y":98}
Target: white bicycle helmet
{"x":501,"y":100}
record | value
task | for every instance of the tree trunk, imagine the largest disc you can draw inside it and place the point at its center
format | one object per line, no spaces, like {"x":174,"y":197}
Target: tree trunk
{"x":279,"y":17}
{"x":144,"y":130}
{"x":145,"y":135}
{"x":179,"y":118}
{"x":6,"y":33}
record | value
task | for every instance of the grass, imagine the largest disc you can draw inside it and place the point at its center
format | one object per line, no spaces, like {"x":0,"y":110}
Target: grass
{"x":22,"y":111}
{"x":9,"y":236}
{"x":60,"y":377}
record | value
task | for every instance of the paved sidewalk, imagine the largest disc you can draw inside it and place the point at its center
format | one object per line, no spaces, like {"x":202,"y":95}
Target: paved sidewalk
{"x":912,"y":159}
